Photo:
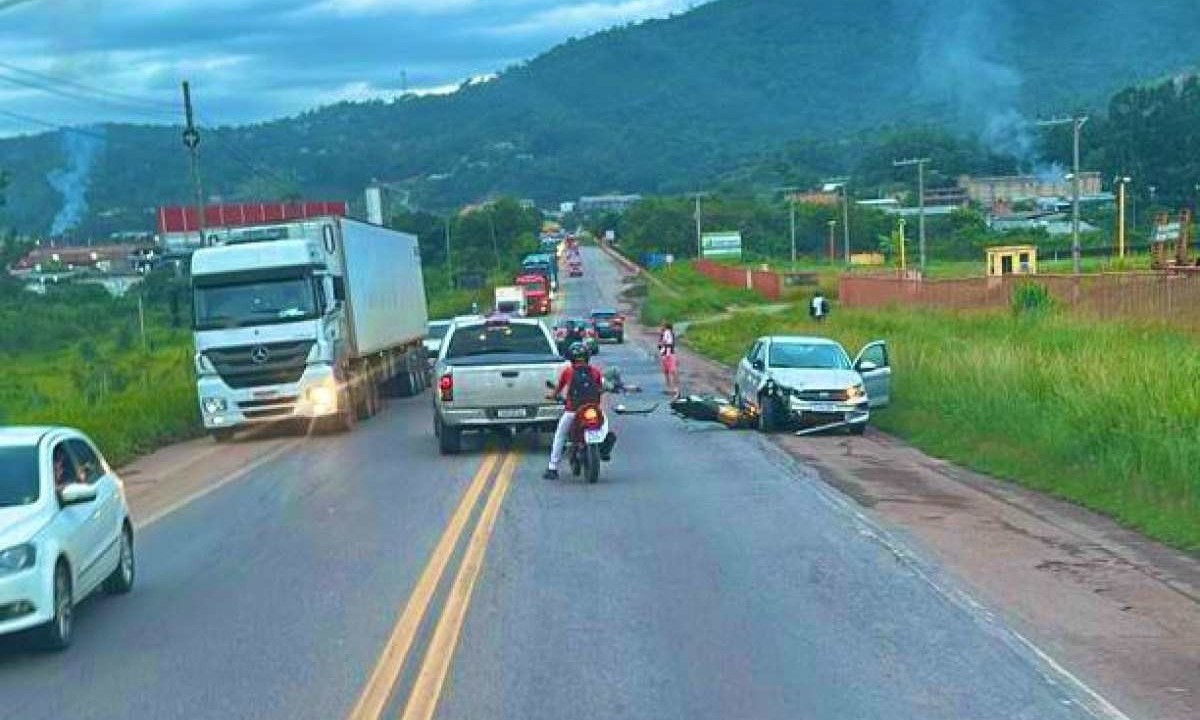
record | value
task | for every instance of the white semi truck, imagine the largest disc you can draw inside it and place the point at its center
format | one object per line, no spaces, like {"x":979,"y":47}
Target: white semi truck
{"x":311,"y":320}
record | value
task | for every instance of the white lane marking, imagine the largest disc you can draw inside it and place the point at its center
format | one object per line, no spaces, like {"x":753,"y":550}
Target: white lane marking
{"x":1080,"y":693}
{"x":217,"y":485}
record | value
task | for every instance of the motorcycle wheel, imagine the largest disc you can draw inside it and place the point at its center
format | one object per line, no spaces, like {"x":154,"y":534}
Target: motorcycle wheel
{"x":592,"y":460}
{"x":576,"y":466}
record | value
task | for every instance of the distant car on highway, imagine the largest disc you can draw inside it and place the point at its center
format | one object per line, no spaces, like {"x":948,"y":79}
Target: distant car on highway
{"x":609,"y":325}
{"x":492,"y":373}
{"x":436,"y":331}
{"x":568,"y":328}
{"x":574,"y":267}
{"x":64,"y":530}
{"x":811,"y":381}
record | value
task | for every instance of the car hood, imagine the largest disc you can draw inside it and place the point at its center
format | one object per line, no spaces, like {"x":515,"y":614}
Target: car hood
{"x":20,"y":524}
{"x":816,"y":379}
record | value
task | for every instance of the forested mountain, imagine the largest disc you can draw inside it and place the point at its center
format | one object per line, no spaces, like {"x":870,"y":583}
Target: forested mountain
{"x":666,"y":105}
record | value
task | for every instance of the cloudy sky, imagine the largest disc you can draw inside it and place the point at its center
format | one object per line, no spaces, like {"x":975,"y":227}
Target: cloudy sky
{"x":82,"y":61}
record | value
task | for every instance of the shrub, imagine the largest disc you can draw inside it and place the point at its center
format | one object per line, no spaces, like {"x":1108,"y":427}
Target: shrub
{"x":1030,"y":298}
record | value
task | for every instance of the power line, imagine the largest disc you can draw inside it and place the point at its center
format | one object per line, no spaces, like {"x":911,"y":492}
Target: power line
{"x":41,"y":86}
{"x":52,"y":125}
{"x":158,"y":105}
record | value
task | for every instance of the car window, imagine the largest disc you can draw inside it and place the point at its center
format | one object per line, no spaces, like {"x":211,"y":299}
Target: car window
{"x":63,"y":466}
{"x":877,"y":354}
{"x":20,"y":483}
{"x":794,"y":356}
{"x":498,"y":339}
{"x":88,"y":466}
{"x":755,"y":351}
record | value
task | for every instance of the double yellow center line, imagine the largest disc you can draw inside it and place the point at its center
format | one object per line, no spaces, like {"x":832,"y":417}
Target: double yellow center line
{"x":435,"y":666}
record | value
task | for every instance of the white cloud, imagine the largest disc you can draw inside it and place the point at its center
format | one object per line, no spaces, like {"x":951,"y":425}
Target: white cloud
{"x":590,"y":16}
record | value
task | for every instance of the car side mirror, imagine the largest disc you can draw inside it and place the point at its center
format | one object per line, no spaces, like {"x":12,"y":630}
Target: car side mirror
{"x":77,"y":494}
{"x":758,"y":365}
{"x":867,"y":366}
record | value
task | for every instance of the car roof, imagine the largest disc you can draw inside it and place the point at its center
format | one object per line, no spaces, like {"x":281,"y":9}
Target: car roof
{"x":440,"y":322}
{"x":24,"y":435}
{"x":801,"y":340}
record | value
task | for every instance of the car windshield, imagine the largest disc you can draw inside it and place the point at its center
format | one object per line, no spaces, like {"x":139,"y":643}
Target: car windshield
{"x":603,"y":315}
{"x":19,"y":481}
{"x":509,"y":339}
{"x":808,"y":356}
{"x":535,"y":286}
{"x":264,"y":302}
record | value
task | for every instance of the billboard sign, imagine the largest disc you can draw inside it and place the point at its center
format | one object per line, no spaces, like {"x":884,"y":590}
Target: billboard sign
{"x":721,"y":245}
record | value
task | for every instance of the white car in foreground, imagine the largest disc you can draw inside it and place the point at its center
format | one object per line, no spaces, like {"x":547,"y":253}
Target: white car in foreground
{"x":811,"y":381}
{"x":64,"y":530}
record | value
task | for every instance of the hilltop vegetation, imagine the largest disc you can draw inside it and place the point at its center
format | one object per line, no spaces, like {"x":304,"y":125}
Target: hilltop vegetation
{"x":672,"y":105}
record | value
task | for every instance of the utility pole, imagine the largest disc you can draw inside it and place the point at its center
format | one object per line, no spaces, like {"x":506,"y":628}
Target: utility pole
{"x":903,"y":254}
{"x":920,"y":163}
{"x":492,"y":226}
{"x":1122,"y":182}
{"x":832,"y":251}
{"x":1077,"y":124}
{"x":792,"y":202}
{"x":449,"y":266}
{"x":699,"y":225}
{"x":846,"y":219}
{"x":191,"y":140}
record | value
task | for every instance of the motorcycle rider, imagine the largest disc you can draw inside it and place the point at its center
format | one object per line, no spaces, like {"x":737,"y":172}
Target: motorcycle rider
{"x":583,"y":384}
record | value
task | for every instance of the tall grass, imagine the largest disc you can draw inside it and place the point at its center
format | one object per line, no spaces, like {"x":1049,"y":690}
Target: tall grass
{"x":695,"y":296}
{"x":1104,"y":415}
{"x":129,"y":400}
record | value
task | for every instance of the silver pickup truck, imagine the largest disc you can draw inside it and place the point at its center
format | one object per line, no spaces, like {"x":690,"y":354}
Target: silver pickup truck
{"x":492,"y":373}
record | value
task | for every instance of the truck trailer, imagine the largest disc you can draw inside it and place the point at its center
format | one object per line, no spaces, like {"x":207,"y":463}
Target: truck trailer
{"x":312,"y":320}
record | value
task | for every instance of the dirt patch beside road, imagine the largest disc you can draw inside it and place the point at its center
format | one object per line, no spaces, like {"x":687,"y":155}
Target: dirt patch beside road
{"x":1119,"y":611}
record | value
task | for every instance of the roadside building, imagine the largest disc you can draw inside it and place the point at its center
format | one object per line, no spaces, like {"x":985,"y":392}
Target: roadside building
{"x":606,"y":203}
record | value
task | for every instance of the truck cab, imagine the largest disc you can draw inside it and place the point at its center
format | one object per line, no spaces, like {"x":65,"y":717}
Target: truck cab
{"x":510,"y":300}
{"x":537,"y":294}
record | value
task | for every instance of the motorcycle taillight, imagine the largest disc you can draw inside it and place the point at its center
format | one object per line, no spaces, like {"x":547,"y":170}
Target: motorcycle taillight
{"x":592,"y":418}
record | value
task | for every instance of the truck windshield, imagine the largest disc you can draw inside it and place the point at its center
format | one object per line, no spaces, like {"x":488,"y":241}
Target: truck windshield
{"x":498,"y":339}
{"x":19,"y":482}
{"x":261,"y":302}
{"x":535,"y":287}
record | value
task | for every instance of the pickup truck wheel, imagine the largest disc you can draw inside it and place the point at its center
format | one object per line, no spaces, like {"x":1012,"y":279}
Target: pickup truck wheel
{"x":857,"y":428}
{"x":222,"y":435}
{"x":449,"y":439}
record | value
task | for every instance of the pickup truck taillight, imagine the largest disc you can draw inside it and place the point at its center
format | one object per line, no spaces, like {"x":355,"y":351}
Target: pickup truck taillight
{"x":446,"y":387}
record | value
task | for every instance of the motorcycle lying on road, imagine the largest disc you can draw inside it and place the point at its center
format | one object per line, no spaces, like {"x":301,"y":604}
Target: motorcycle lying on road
{"x":588,"y":441}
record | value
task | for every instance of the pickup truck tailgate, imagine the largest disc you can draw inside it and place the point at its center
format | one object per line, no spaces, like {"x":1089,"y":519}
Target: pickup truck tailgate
{"x":503,"y":386}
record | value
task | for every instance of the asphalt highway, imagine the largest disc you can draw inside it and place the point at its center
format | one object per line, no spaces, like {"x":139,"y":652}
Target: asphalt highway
{"x":707,"y":575}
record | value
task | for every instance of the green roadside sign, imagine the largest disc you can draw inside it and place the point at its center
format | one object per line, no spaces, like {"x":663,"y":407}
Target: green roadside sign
{"x":721,"y":245}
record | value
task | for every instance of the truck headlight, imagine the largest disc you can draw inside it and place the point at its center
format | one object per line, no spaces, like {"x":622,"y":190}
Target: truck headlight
{"x":17,"y":558}
{"x":204,"y":366}
{"x":323,"y":398}
{"x":212,"y":406}
{"x":856,"y":392}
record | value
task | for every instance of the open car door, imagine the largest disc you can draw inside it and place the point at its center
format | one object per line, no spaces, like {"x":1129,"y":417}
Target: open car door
{"x":874,"y":365}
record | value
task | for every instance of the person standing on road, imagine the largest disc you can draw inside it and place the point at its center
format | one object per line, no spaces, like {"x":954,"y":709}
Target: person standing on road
{"x":580,"y":384}
{"x":818,"y":308}
{"x":668,"y":358}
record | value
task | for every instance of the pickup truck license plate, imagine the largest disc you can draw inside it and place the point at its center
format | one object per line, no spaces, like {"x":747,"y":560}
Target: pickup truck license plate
{"x":512,"y":413}
{"x":594,"y":437}
{"x":825,"y":408}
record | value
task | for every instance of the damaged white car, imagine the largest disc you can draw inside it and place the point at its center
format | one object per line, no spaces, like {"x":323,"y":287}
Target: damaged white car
{"x":811,"y":383}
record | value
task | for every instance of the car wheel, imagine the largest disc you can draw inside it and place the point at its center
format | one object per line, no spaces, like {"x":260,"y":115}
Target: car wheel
{"x":56,"y":634}
{"x":449,"y":439}
{"x":621,"y":339}
{"x":120,"y":582}
{"x":768,"y":414}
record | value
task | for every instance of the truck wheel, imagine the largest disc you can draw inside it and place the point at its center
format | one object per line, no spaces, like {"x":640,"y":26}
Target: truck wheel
{"x":449,"y":439}
{"x":347,"y":417}
{"x":368,"y":406}
{"x":857,"y":428}
{"x":403,"y":384}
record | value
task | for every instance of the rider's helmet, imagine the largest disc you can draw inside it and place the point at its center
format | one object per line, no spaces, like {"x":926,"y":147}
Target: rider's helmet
{"x":577,"y":352}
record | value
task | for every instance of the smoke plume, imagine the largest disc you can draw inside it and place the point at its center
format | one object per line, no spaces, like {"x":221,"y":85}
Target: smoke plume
{"x":80,"y":148}
{"x":962,"y":65}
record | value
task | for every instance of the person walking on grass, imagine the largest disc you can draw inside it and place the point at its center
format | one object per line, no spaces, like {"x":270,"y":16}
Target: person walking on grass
{"x":668,"y":359}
